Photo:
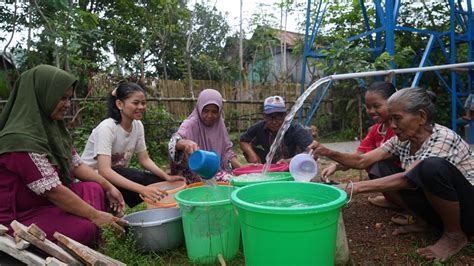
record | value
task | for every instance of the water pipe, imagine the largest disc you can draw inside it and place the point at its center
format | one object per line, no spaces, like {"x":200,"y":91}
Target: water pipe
{"x":397,"y":71}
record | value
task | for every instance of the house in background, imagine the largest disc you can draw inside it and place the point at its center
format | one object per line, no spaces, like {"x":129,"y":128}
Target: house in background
{"x":274,"y":56}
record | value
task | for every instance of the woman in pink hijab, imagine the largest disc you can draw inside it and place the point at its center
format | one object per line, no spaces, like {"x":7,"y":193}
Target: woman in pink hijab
{"x":204,"y":129}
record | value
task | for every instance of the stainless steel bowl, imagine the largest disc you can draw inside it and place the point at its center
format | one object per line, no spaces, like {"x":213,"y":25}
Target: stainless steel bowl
{"x":156,"y":229}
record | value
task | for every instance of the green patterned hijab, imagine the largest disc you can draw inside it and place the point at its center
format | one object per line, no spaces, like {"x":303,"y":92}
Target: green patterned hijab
{"x":26,"y":124}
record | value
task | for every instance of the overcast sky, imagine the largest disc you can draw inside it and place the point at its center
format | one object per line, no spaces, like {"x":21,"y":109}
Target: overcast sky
{"x":232,"y":7}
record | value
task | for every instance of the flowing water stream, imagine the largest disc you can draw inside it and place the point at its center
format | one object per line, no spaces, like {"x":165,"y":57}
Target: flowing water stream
{"x":288,"y":119}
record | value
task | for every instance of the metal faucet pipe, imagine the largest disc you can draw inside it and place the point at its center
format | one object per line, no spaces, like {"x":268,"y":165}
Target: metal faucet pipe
{"x":396,"y":71}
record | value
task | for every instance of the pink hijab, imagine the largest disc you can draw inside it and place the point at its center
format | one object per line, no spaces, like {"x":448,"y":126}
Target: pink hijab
{"x":209,"y":138}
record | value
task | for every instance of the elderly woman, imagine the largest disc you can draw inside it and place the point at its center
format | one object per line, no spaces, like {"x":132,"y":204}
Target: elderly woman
{"x":436,"y":182}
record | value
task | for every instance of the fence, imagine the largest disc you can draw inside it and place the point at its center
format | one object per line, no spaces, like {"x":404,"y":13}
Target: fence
{"x":242,"y":108}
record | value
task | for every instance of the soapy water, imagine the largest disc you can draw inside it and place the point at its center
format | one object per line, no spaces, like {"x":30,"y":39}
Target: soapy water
{"x":251,"y":177}
{"x":303,"y":176}
{"x":287,"y":203}
{"x":288,"y":119}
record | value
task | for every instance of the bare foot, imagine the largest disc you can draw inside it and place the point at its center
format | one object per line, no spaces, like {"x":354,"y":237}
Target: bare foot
{"x":448,"y":245}
{"x":412,"y":228}
{"x":381,"y":201}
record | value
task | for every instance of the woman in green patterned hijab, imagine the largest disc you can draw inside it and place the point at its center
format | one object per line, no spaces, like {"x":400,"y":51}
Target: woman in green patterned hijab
{"x":38,"y":162}
{"x":26,"y":124}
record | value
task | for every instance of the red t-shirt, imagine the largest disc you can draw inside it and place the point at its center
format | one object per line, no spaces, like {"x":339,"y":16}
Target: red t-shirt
{"x":375,"y":138}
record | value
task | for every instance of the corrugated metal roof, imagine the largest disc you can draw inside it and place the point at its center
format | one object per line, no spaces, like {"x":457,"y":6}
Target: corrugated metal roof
{"x":291,"y":38}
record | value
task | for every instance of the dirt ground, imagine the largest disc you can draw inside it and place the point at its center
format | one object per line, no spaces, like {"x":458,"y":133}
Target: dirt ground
{"x":369,"y":233}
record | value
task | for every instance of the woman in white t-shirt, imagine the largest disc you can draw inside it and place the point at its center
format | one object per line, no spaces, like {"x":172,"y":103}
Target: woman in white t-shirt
{"x":113,"y":142}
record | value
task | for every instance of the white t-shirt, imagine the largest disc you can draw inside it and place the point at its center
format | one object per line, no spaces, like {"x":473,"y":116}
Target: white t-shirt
{"x":109,"y":138}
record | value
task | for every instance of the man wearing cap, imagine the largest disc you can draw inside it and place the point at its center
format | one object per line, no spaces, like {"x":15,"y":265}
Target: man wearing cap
{"x":257,"y":140}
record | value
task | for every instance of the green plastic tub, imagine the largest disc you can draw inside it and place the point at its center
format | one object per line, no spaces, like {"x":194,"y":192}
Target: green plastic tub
{"x":289,"y":223}
{"x":241,"y":181}
{"x":210,"y":224}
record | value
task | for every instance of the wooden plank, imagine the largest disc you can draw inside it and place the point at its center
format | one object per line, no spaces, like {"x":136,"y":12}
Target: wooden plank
{"x":21,"y":244}
{"x":52,"y":261}
{"x":46,"y":245}
{"x":79,"y":252}
{"x":221,"y":259}
{"x":36,"y":231}
{"x":3,"y":229}
{"x":8,"y":245}
{"x":88,"y":255}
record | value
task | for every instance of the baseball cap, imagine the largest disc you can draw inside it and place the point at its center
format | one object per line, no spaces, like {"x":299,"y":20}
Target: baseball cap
{"x":274,"y":104}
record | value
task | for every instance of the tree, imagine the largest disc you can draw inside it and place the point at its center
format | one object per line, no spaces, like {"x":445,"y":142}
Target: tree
{"x":206,"y":34}
{"x":165,"y":32}
{"x":344,"y":21}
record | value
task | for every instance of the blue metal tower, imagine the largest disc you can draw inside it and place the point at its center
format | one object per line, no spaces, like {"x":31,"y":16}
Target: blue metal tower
{"x":386,"y":14}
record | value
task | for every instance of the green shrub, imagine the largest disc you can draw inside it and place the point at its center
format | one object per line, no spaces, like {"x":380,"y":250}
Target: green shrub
{"x":90,"y":115}
{"x":159,"y":126}
{"x":158,"y":123}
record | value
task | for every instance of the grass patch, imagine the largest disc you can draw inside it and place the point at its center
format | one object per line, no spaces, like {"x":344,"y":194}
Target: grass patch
{"x":122,"y":248}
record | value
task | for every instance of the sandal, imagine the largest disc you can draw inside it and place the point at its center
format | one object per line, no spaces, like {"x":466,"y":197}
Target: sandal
{"x":381,"y":201}
{"x":402,"y":219}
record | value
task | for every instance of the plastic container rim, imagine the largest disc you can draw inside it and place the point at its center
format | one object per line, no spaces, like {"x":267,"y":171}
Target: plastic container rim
{"x":336,"y":203}
{"x":202,"y":203}
{"x":152,"y":223}
{"x":171,"y":191}
{"x":248,"y":183}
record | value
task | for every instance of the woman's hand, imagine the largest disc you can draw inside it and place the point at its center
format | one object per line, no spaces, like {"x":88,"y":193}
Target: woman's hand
{"x":287,"y":161}
{"x":175,"y":178}
{"x":189,"y":146}
{"x":351,"y":188}
{"x":254,"y":159}
{"x":318,"y":149}
{"x":328,"y":171}
{"x":115,"y":199}
{"x":153,"y":194}
{"x":101,"y":218}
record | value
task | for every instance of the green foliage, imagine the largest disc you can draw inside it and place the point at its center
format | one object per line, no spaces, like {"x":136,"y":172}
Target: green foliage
{"x":327,"y":133}
{"x":91,"y":113}
{"x":208,"y":33}
{"x":159,"y":126}
{"x":80,"y":36}
{"x":351,"y":57}
{"x":158,"y":123}
{"x":344,"y":19}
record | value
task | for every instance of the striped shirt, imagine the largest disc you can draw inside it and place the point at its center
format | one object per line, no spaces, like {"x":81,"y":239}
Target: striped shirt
{"x":443,"y":143}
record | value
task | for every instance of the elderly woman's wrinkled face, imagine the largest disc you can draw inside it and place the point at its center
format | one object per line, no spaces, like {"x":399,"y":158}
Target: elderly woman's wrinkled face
{"x":405,"y":125}
{"x":210,"y":114}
